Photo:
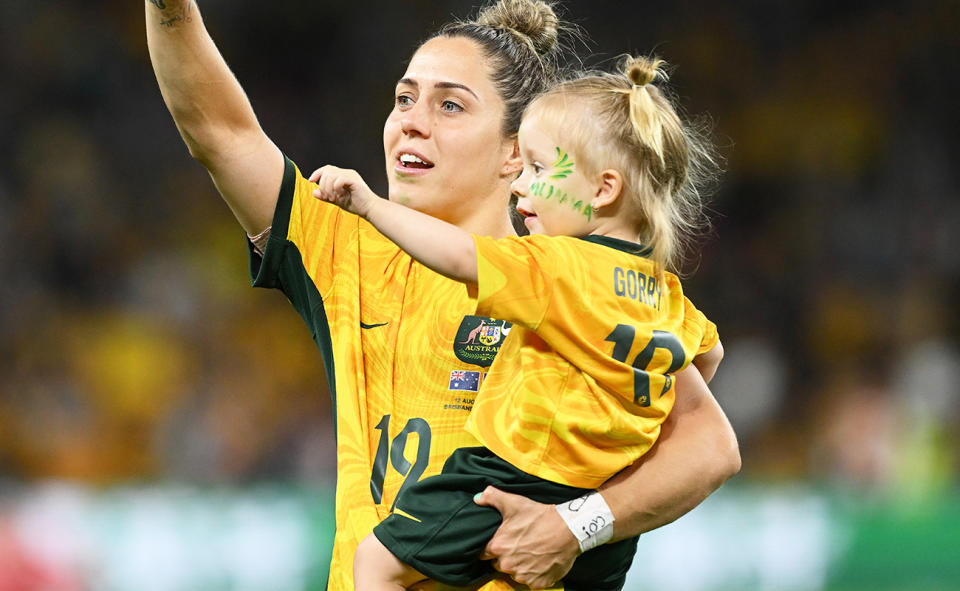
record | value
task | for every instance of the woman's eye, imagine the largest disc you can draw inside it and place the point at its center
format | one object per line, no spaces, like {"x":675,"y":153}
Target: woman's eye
{"x":451,"y":107}
{"x":404,"y":100}
{"x":537,"y":168}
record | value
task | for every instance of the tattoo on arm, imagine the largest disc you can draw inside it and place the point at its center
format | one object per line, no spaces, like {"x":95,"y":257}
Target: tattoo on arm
{"x":170,"y":20}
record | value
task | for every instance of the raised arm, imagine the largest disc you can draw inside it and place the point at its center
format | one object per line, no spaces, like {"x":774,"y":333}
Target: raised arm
{"x":212,"y":112}
{"x":696,"y":453}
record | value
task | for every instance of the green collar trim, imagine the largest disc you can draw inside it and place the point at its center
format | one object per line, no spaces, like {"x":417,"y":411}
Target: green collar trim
{"x":623,"y":245}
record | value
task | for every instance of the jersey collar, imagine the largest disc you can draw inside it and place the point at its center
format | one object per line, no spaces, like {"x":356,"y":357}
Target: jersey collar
{"x":622,"y":245}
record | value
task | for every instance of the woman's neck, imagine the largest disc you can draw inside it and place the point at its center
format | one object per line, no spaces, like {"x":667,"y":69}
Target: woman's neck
{"x":491,"y":216}
{"x":493,"y":225}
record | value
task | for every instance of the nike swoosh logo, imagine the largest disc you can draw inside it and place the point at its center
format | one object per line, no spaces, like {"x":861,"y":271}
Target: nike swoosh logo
{"x":403,"y":513}
{"x":365,"y":325}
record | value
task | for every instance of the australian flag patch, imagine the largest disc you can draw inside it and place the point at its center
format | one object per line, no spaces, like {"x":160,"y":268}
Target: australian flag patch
{"x":468,"y":381}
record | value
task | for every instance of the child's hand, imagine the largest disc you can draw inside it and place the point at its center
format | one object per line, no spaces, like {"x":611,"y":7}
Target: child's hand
{"x":343,"y":187}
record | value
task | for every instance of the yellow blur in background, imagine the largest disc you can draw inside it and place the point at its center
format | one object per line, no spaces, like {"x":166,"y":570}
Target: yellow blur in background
{"x":164,"y":426}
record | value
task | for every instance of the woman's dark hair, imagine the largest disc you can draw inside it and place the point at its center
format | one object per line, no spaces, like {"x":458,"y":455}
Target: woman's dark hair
{"x":520,"y":40}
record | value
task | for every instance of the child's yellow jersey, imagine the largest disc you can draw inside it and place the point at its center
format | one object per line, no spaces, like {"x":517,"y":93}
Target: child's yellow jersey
{"x":402,"y":350}
{"x":583,"y":396}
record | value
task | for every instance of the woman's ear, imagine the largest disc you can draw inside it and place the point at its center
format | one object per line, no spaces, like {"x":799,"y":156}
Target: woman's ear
{"x":513,"y":164}
{"x":609,"y":188}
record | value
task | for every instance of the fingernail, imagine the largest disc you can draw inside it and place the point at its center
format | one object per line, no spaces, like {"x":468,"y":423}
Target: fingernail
{"x":477,"y":497}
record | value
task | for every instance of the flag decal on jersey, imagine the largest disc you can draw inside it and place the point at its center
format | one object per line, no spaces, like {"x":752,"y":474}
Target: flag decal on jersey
{"x":478,"y":339}
{"x":468,"y":381}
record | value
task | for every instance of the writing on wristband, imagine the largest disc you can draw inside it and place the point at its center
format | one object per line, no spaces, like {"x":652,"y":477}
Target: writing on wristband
{"x":589,"y":519}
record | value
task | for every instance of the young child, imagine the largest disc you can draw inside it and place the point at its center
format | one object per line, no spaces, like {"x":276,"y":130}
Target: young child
{"x":609,"y":188}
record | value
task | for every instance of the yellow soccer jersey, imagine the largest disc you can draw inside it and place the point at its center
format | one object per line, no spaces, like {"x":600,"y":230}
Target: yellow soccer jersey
{"x":401,"y":347}
{"x":583,"y":396}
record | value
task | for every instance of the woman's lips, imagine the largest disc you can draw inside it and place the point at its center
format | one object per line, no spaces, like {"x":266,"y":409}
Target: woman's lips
{"x":412,"y":164}
{"x":410,"y":170}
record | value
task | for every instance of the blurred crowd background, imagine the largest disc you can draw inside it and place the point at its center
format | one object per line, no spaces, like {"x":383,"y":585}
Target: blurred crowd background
{"x":134,"y":353}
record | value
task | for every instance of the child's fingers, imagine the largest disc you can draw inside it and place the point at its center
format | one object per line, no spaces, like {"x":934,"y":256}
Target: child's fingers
{"x":326,"y":169}
{"x":325,"y":185}
{"x":315,"y":176}
{"x":319,"y":194}
{"x":335,"y":184}
{"x":343,"y":185}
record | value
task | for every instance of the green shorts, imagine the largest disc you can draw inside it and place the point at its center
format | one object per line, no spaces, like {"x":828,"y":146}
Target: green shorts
{"x":437,"y":529}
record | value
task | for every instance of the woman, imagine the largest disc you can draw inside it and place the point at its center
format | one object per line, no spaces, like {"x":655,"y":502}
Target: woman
{"x":401,"y":351}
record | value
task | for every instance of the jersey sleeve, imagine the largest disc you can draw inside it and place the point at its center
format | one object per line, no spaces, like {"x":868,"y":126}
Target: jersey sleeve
{"x":697,"y":320}
{"x":309,"y":240}
{"x":304,"y":228}
{"x":514,"y":278}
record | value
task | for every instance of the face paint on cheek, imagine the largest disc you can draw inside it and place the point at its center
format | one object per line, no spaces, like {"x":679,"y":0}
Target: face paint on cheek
{"x":546,"y":190}
{"x":562,"y":166}
{"x":542,"y":189}
{"x":579,"y":206}
{"x":402,"y":200}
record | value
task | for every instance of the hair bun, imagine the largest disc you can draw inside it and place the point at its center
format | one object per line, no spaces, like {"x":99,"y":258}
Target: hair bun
{"x":643,"y":70}
{"x":534,"y":19}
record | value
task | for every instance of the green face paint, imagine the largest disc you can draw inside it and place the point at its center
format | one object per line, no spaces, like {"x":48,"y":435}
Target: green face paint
{"x":543,"y":190}
{"x":547,"y":191}
{"x":563,"y":165}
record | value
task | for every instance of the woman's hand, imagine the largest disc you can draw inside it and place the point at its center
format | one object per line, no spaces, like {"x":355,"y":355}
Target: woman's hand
{"x":344,"y":188}
{"x":533,"y":545}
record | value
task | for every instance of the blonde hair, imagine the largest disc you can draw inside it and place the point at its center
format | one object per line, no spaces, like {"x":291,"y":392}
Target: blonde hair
{"x":628,"y":123}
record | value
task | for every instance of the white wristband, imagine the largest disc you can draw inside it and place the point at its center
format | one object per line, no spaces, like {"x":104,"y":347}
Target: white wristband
{"x":589,"y":518}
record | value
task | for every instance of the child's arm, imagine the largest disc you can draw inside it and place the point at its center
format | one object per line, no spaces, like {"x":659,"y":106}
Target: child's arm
{"x":443,"y":247}
{"x":707,"y":362}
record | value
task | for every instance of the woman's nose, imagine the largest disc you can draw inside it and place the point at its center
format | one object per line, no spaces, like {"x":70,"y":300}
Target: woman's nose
{"x":415,"y":122}
{"x":520,"y":185}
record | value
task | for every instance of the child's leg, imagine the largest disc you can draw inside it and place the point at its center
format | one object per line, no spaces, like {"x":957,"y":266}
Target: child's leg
{"x":376,"y":569}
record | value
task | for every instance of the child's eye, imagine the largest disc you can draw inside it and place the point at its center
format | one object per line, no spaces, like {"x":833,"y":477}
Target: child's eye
{"x":537,"y":168}
{"x":451,"y":107}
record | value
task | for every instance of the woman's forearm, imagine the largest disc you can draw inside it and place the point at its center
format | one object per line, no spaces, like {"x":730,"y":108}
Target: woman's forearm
{"x":198,"y":88}
{"x":212,"y":111}
{"x":696,"y":453}
{"x":707,"y":363}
